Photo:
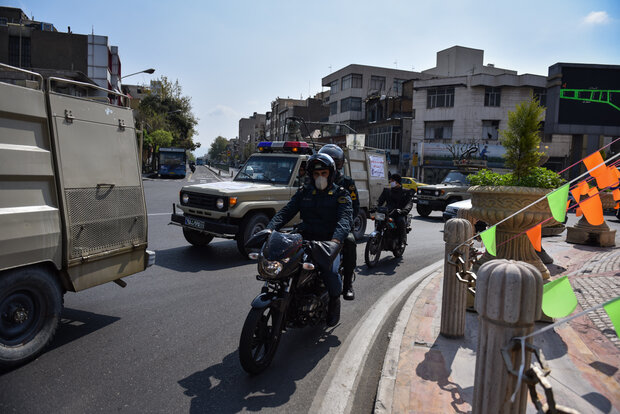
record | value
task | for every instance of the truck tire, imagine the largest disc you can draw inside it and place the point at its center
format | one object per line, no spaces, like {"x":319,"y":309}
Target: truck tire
{"x":359,"y":225}
{"x":250,"y":226}
{"x":423,"y":211}
{"x":30,"y":307}
{"x":197,"y":238}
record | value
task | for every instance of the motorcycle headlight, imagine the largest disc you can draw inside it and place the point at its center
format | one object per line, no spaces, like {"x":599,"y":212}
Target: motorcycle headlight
{"x":184,"y":198}
{"x":219,"y":203}
{"x":272,"y":268}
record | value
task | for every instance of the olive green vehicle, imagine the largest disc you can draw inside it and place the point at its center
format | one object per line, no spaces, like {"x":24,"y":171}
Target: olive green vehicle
{"x":239,"y":208}
{"x":72,"y":208}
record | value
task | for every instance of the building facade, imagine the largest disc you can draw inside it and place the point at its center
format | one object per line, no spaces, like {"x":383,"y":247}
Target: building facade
{"x":251,"y":131}
{"x":311,"y":110}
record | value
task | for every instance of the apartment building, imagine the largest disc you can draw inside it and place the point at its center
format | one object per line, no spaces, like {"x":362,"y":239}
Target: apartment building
{"x":311,"y":110}
{"x":251,"y":131}
{"x":41,"y":47}
{"x":466,"y":101}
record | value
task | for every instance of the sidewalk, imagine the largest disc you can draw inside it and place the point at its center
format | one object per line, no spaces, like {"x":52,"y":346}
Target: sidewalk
{"x":424,"y":372}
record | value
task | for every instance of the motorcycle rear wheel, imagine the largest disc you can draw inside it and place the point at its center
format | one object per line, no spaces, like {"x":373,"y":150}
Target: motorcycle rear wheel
{"x":372,"y":253}
{"x":259,"y":340}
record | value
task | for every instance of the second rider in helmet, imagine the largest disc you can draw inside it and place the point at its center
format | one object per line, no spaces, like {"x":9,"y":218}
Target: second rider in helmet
{"x":325,"y":211}
{"x":348,"y":249}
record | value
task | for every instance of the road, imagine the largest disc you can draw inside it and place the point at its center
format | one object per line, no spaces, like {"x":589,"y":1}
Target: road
{"x":167,"y":343}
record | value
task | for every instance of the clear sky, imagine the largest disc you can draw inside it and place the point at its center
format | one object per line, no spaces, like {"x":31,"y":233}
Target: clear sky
{"x":234,"y":57}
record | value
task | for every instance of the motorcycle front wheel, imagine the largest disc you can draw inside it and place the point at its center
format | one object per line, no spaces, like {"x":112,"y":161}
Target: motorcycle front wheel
{"x":259,"y":340}
{"x":372,"y":251}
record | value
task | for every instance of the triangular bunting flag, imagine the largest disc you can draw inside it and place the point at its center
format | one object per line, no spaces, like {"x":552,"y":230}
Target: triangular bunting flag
{"x":616,"y":194}
{"x":602,"y":174}
{"x":558,"y":299}
{"x":613,"y":311}
{"x":534,"y":234}
{"x":557,"y":203}
{"x":593,"y":208}
{"x":488,"y":238}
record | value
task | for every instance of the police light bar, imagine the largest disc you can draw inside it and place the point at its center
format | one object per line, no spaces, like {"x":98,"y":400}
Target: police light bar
{"x":300,"y":147}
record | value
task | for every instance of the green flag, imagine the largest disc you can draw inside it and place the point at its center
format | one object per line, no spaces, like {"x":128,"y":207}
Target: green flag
{"x":558,"y":299}
{"x":488,"y":238}
{"x":557,"y":203}
{"x":613,"y":311}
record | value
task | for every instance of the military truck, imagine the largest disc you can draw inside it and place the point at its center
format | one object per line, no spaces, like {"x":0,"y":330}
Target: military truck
{"x":72,"y":208}
{"x":435,"y":197}
{"x":239,"y":208}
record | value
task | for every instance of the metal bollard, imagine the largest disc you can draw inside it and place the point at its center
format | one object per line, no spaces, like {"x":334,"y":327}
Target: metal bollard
{"x":454,"y":298}
{"x":508,"y":302}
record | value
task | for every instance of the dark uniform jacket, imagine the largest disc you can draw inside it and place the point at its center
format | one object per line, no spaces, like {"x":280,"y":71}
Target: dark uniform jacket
{"x":348,"y":184}
{"x":325,"y":214}
{"x":396,"y":198}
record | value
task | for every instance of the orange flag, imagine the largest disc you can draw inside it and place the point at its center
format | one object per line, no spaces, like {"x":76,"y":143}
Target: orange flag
{"x":616,"y":194}
{"x":593,"y":208}
{"x":534,"y":234}
{"x":603,"y":176}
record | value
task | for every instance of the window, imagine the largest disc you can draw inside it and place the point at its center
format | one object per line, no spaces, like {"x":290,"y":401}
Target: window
{"x":377,"y":83}
{"x":438,"y":130}
{"x":490,"y":129}
{"x":397,"y":87}
{"x":492,"y":96}
{"x":439,"y":98}
{"x":352,"y":81}
{"x":15,"y":52}
{"x":333,"y":86}
{"x":541,"y":95}
{"x":333,"y":108}
{"x":351,"y":104}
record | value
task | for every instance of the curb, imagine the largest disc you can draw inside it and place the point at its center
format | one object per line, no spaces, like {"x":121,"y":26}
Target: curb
{"x":336,"y":392}
{"x":385,"y":390}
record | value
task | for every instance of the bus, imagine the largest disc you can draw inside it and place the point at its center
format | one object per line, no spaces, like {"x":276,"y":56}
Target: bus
{"x":172,"y":162}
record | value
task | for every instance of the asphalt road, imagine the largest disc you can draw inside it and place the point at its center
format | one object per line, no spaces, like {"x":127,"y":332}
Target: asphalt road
{"x":167,"y":343}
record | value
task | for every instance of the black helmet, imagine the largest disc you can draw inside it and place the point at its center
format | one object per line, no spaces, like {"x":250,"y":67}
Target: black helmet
{"x":335,"y":152}
{"x":321,"y":162}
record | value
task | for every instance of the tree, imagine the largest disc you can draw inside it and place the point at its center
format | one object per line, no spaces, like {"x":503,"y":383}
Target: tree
{"x":159,"y":138}
{"x":218,"y":147}
{"x":521,"y":139}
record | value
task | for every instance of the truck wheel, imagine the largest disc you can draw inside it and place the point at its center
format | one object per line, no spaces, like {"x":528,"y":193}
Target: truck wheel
{"x":359,"y":224}
{"x":197,"y":238}
{"x":423,"y":211}
{"x":30,"y":307}
{"x":250,"y":226}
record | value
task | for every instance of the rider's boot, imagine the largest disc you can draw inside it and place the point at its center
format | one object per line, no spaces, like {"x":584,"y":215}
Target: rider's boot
{"x":333,"y":311}
{"x":347,"y":287}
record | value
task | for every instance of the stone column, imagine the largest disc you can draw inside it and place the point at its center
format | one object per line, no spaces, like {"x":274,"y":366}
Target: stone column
{"x":508,"y":301}
{"x":454,"y":298}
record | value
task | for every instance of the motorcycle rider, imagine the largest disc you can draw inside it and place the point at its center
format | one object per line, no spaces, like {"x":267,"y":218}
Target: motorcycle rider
{"x":399,"y":201}
{"x":348,"y":248}
{"x":325,"y":210}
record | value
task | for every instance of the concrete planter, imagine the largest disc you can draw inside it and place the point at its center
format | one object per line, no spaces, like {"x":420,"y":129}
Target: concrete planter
{"x":494,"y":203}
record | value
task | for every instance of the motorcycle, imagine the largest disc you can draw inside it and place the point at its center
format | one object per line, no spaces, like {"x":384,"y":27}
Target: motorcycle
{"x":293,"y":294}
{"x":385,"y":237}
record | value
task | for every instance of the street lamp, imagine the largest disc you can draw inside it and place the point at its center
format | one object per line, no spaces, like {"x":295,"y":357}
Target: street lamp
{"x":149,"y":71}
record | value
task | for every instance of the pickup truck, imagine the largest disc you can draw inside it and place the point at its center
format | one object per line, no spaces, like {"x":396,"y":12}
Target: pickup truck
{"x":239,"y":208}
{"x":436,"y":197}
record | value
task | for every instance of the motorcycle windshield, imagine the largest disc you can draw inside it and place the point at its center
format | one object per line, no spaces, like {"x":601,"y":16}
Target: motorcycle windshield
{"x":281,"y":245}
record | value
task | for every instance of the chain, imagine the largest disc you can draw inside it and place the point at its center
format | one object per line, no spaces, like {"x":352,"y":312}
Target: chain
{"x":536,"y":374}
{"x":463,"y":274}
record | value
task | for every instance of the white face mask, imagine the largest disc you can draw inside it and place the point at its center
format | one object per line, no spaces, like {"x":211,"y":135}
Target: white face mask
{"x":320,"y":183}
{"x":392,"y":184}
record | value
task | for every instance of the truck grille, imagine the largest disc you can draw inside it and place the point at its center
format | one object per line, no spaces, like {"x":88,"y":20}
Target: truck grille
{"x":204,"y":201}
{"x":424,"y":192}
{"x":102,"y":219}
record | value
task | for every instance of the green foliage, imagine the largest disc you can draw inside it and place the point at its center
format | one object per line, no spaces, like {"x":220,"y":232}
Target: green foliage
{"x":218,"y":146}
{"x":539,"y":177}
{"x":521,"y":139}
{"x":160,"y":138}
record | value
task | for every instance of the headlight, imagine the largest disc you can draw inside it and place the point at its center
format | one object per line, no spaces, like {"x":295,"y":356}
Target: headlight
{"x":436,"y":193}
{"x":272,"y":268}
{"x":219,"y":203}
{"x":184,"y":198}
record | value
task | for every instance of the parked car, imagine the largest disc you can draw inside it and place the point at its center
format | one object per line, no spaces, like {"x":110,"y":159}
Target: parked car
{"x":410,"y":183}
{"x":452,"y":210}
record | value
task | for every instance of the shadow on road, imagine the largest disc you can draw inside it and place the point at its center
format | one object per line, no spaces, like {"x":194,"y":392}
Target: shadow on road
{"x":386,"y":267}
{"x":215,"y":256}
{"x":75,"y":324}
{"x":226,"y":388}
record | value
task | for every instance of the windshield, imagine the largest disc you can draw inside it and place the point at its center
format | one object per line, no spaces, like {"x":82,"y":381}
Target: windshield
{"x":275,"y":170}
{"x":455,"y":177}
{"x":171,"y":158}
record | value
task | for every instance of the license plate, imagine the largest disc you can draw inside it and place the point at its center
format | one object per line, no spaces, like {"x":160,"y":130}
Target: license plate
{"x":422,"y":201}
{"x":379,"y":216}
{"x":192,"y":222}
